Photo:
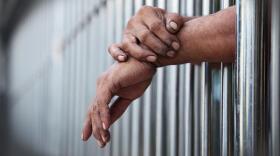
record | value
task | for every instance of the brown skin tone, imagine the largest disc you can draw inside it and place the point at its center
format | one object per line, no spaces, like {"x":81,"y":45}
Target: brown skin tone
{"x":128,"y":81}
{"x":153,"y":27}
{"x":208,"y":38}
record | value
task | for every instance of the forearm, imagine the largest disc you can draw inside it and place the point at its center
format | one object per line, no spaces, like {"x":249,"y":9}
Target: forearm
{"x":207,"y":38}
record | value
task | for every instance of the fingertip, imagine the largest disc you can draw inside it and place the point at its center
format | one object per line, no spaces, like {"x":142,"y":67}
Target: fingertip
{"x":86,"y":132}
{"x":84,"y":137}
{"x":106,"y":138}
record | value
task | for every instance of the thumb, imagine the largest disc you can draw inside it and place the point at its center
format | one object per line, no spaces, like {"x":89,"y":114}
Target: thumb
{"x":174,"y":22}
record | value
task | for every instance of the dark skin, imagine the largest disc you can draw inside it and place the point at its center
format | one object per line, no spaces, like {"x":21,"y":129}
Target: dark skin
{"x":207,"y":38}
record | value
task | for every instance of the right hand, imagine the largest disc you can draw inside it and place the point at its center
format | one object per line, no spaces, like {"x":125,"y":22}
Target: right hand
{"x":155,"y":29}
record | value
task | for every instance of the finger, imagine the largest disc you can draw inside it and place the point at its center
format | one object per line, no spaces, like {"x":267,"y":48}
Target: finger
{"x":104,"y":116}
{"x":87,"y":128}
{"x":96,"y":128}
{"x":118,"y":108}
{"x":174,"y":22}
{"x":136,"y":51}
{"x":105,"y":134}
{"x":102,"y":125}
{"x":103,"y":98}
{"x":115,"y":51}
{"x":157,"y":26}
{"x":146,"y":37}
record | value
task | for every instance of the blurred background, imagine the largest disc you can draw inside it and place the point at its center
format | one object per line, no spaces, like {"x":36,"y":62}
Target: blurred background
{"x":52,"y":51}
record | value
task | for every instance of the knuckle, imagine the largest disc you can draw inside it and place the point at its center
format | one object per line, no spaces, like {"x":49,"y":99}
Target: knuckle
{"x":139,"y":55}
{"x":94,"y":132}
{"x":131,"y":38}
{"x":161,"y":49}
{"x":131,"y":23}
{"x":168,"y":39}
{"x":125,"y":45}
{"x":104,"y":110}
{"x":94,"y":109}
{"x":144,"y":8}
{"x":156,"y":26}
{"x":143,"y":36}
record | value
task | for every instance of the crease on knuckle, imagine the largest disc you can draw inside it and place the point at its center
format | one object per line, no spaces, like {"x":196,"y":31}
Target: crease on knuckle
{"x":160,"y":14}
{"x":161,"y":48}
{"x":156,"y":26}
{"x":139,"y":55}
{"x":144,"y":35}
{"x":168,"y":39}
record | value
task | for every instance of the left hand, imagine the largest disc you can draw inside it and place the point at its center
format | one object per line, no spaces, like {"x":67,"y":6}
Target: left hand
{"x":127,"y":80}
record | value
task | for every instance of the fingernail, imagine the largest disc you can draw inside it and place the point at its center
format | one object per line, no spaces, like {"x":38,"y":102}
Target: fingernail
{"x":82,"y":136}
{"x":104,"y":126}
{"x":151,"y":58}
{"x":121,"y":58}
{"x":103,"y":138}
{"x":170,"y":53}
{"x":173,"y":25}
{"x":176,"y":45}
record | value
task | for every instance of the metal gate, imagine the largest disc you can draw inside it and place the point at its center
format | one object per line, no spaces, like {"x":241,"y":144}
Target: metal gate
{"x":59,"y":49}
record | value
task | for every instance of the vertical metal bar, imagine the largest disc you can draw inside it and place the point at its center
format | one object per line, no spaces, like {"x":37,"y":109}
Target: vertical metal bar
{"x":205,"y":105}
{"x":136,"y":106}
{"x":111,"y":39}
{"x":182,"y":103}
{"x":171,"y":96}
{"x":196,"y":112}
{"x":197,"y":94}
{"x":127,"y":131}
{"x":227,"y":114}
{"x":118,"y":125}
{"x":251,"y":77}
{"x":275,"y":77}
{"x":147,"y":110}
{"x":160,"y":148}
{"x":93,"y":67}
{"x":65,"y":85}
{"x":189,"y":95}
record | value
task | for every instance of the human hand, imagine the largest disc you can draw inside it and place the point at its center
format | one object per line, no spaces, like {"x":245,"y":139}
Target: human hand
{"x":155,"y":29}
{"x":127,"y":80}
